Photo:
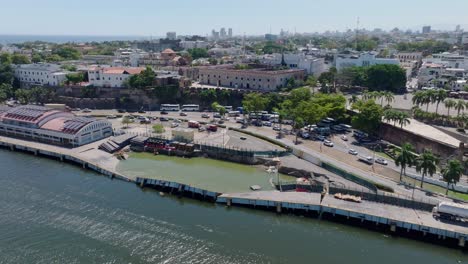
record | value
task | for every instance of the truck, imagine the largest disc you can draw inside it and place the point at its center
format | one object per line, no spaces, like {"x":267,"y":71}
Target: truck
{"x":451,"y":211}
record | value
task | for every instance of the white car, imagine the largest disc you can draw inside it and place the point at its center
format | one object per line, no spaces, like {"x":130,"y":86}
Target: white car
{"x":352,"y":152}
{"x":381,"y":161}
{"x":344,"y":138}
{"x":173,"y":125}
{"x":328,"y":143}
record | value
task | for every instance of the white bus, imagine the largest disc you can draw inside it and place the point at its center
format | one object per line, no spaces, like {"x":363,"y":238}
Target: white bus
{"x":170,"y":107}
{"x":233,"y":113}
{"x":228,"y":108}
{"x":191,"y":108}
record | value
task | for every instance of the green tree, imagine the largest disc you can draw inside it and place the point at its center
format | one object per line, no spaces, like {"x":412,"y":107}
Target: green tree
{"x":6,"y":73}
{"x":126,"y":121}
{"x":440,"y":96}
{"x":449,"y":104}
{"x":142,"y":80}
{"x":403,"y":119}
{"x":75,"y":78}
{"x":67,"y":53}
{"x":3,"y":96}
{"x":427,"y":164}
{"x":386,"y":77}
{"x":405,"y":158}
{"x":19,"y":59}
{"x":23,"y":96}
{"x":208,"y":96}
{"x":254,"y":102}
{"x":198,"y":53}
{"x":389,"y":97}
{"x":40,"y":94}
{"x":299,"y":94}
{"x":369,"y":117}
{"x":460,"y":106}
{"x":353,"y":99}
{"x":452,"y":173}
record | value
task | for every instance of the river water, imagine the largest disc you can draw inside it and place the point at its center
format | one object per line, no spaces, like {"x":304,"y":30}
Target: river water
{"x":51,"y":212}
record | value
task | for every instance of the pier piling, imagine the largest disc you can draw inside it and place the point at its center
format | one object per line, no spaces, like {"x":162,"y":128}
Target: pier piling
{"x":278,"y":208}
{"x":461,"y":242}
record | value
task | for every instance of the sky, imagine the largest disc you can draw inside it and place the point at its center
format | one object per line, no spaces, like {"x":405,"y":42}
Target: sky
{"x":252,"y":17}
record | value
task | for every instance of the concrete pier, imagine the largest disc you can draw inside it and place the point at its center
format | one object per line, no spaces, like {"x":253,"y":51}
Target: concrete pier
{"x":396,"y":220}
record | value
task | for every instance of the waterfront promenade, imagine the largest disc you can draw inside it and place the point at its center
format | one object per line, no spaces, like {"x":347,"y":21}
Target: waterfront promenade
{"x":393,"y":218}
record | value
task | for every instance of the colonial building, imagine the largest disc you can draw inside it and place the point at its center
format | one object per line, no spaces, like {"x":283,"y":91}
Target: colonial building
{"x":52,"y":126}
{"x":257,"y":78}
{"x":365,"y":59}
{"x":111,"y":76}
{"x":312,"y":65}
{"x":39,"y":74}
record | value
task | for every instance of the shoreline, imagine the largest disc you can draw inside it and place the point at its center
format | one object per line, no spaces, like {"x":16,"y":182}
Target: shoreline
{"x":417,"y":225}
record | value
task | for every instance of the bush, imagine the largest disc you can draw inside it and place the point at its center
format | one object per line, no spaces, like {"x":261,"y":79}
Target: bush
{"x":158,"y":129}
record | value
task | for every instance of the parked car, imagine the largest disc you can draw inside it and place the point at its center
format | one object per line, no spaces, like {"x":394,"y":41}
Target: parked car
{"x":183,"y":114}
{"x":216,"y":115}
{"x":212,"y":128}
{"x":305,"y":135}
{"x":243,"y":138}
{"x":276,"y":128}
{"x":320,"y":138}
{"x":328,"y":143}
{"x":141,"y":111}
{"x":267,"y":123}
{"x":344,"y":138}
{"x":120,"y":110}
{"x":164,"y":113}
{"x":163,"y":119}
{"x":205,"y":116}
{"x":111,"y":117}
{"x":86,"y":110}
{"x":381,"y":161}
{"x":352,"y":152}
{"x":173,"y":125}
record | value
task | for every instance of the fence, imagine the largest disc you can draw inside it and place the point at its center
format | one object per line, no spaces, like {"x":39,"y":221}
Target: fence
{"x":384,"y":198}
{"x":349,"y":176}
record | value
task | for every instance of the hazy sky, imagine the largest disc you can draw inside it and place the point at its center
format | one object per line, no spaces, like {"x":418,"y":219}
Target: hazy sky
{"x":155,"y":17}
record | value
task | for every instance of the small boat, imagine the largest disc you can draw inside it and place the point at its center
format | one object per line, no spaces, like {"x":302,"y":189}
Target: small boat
{"x":271,"y":169}
{"x":255,"y":187}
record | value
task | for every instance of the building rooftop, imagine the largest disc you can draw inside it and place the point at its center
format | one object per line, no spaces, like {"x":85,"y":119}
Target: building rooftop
{"x":27,"y":113}
{"x":68,"y":125}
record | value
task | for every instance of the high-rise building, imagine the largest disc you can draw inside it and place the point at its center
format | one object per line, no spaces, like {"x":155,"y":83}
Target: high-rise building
{"x":230,"y":32}
{"x":222,"y":33}
{"x":214,"y":34}
{"x":171,"y":35}
{"x":426,"y":29}
{"x":458,"y":28}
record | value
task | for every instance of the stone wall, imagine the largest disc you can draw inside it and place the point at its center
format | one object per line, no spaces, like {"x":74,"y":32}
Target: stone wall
{"x":398,"y":136}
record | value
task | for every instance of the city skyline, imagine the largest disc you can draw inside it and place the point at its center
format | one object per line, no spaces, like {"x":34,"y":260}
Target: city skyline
{"x":155,"y":18}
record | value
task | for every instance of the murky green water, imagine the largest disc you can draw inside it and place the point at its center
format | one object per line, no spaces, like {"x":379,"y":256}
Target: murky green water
{"x":52,"y":212}
{"x":208,"y":174}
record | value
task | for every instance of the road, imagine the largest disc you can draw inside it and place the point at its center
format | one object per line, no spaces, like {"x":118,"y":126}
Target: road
{"x":338,"y":155}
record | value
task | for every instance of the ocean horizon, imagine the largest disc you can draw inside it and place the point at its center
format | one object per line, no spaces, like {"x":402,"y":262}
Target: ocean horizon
{"x":10,"y":39}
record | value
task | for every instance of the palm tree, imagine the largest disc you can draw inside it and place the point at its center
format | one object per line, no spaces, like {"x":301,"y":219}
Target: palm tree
{"x":353,"y":99}
{"x":403,"y":119}
{"x":439,"y":96}
{"x":452,"y":173}
{"x":449,"y":103}
{"x":405,"y":158}
{"x":431,"y":97}
{"x":427,"y":164}
{"x":421,"y":98}
{"x":389,"y":115}
{"x":460,"y":106}
{"x":389,"y":97}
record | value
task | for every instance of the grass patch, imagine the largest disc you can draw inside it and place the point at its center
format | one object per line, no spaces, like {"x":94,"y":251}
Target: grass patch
{"x":437,"y":189}
{"x":158,"y":129}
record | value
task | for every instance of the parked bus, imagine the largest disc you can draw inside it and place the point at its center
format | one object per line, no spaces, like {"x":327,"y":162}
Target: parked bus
{"x":190,"y":108}
{"x":233,"y":113}
{"x":228,"y":108}
{"x":170,"y":107}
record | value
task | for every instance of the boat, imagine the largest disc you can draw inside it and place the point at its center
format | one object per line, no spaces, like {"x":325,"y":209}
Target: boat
{"x":255,"y":187}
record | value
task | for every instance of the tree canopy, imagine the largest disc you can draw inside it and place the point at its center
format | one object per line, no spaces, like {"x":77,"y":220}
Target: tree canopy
{"x":197,"y":53}
{"x":369,"y":117}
